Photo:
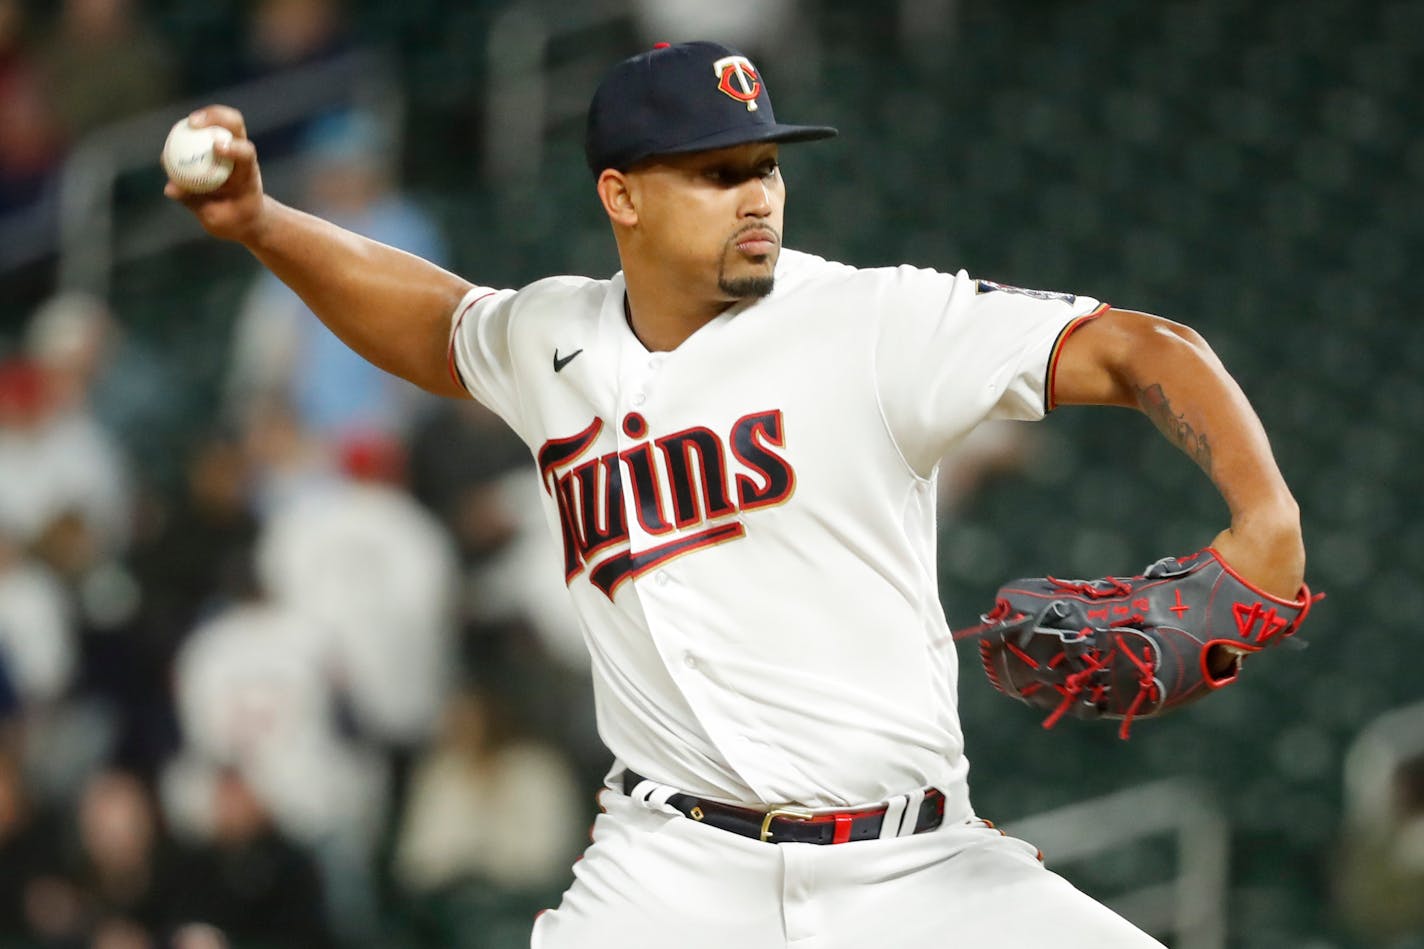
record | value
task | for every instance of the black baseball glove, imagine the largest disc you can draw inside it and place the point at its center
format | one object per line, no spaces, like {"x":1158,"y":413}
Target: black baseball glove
{"x":1130,"y":647}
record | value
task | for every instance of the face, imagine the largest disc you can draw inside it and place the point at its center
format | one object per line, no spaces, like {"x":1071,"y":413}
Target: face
{"x":713,"y":219}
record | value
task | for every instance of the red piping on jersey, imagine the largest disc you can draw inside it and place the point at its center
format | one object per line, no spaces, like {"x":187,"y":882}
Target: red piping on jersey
{"x":455,"y":328}
{"x":1050,"y":401}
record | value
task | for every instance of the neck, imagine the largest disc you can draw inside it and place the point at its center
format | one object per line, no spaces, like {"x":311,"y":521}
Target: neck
{"x":663,"y":315}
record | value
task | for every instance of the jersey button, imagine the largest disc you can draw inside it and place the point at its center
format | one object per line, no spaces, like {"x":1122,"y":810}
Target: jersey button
{"x":660,"y":578}
{"x":639,"y":398}
{"x":689,"y":660}
{"x":655,"y":363}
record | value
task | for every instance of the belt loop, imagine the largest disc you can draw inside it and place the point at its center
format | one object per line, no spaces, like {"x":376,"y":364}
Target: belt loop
{"x":843,"y":825}
{"x":660,"y":795}
{"x":894,"y":810}
{"x":911,"y":819}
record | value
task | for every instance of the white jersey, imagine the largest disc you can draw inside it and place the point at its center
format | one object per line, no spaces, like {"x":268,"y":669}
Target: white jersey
{"x":747,"y":521}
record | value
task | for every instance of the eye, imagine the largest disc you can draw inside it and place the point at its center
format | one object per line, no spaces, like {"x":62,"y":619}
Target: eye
{"x":769,"y":169}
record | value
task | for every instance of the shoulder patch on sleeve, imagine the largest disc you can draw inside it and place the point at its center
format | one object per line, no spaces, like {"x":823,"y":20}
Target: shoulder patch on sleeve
{"x":989,"y":286}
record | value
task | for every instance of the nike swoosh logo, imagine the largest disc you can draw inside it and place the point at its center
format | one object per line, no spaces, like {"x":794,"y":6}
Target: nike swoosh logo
{"x":559,"y":364}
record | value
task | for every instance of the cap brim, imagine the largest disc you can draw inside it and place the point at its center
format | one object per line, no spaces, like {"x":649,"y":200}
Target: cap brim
{"x":747,"y":135}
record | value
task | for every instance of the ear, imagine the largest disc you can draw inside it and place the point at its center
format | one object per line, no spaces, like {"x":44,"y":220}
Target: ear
{"x":618,"y":193}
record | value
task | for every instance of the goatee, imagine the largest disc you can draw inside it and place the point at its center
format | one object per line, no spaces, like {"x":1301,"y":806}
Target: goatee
{"x":745,"y":288}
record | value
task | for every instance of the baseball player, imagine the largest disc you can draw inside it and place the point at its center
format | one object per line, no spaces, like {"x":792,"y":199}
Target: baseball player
{"x":736,"y":444}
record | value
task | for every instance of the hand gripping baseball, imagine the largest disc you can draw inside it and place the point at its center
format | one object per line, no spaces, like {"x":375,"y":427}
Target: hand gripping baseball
{"x":233,"y":211}
{"x":1130,"y":647}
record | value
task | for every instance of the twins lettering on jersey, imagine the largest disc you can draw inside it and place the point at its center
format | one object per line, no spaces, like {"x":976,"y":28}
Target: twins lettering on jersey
{"x":689,"y":483}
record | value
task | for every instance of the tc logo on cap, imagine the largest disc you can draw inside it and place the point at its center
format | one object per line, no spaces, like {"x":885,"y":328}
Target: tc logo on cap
{"x":737,"y":77}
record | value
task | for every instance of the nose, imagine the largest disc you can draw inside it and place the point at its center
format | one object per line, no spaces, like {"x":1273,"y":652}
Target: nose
{"x":756,"y":198}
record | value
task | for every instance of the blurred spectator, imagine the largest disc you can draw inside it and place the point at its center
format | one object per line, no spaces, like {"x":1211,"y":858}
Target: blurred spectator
{"x":468,"y":468}
{"x":68,"y":340}
{"x":365,"y":561}
{"x":65,"y":499}
{"x":59,"y":463}
{"x":41,"y":647}
{"x":30,"y":139}
{"x":9,"y":703}
{"x":90,"y":365}
{"x":285,"y":461}
{"x":487,"y":806}
{"x":38,"y":648}
{"x":189,"y":560}
{"x":283,"y":35}
{"x":114,"y":885}
{"x":280,"y":349}
{"x":1380,"y":880}
{"x":101,"y":64}
{"x":27,"y":849}
{"x":254,"y":694}
{"x":247,"y":879}
{"x":192,"y":557}
{"x":22,"y":414}
{"x":286,"y":33}
{"x":521,"y":581}
{"x":198,"y":936}
{"x":458,"y":453}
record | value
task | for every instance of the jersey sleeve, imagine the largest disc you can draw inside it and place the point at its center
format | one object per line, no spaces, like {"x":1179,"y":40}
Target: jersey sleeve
{"x":480,"y":356}
{"x":952,"y":351}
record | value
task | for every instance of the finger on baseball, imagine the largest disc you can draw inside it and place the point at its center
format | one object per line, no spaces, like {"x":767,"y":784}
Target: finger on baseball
{"x":189,"y":199}
{"x":224,"y":115}
{"x":240,"y":150}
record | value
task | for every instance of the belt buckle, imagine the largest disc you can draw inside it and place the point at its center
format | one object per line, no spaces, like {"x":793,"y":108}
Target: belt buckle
{"x":791,"y":813}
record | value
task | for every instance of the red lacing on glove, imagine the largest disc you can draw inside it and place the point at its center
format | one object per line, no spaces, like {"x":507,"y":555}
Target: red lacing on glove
{"x":1146,"y":687}
{"x":1074,"y":684}
{"x":1024,"y":657}
{"x":984,"y":656}
{"x":1094,"y":589}
{"x":1001,"y":611}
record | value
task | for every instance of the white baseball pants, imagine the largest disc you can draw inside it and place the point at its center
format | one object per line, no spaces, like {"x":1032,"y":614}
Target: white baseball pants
{"x":653,"y":879}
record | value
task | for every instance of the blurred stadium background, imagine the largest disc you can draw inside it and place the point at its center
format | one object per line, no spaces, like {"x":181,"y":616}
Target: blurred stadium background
{"x":273,"y":655}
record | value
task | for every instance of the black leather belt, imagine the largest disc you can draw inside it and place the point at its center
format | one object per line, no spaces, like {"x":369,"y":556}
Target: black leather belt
{"x":788,"y":825}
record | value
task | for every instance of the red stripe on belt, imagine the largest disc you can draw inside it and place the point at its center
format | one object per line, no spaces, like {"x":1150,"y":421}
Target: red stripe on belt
{"x":842,"y":834}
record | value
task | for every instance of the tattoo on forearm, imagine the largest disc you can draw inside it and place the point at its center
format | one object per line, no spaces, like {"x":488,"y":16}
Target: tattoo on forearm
{"x":1155,"y":405}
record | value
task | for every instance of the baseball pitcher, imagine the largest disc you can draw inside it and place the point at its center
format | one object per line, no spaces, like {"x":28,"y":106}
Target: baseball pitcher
{"x":736,"y":445}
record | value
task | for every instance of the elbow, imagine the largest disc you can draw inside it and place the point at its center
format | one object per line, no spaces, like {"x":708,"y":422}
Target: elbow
{"x":1123,"y":353}
{"x":1161,"y":338}
{"x":1151,"y":343}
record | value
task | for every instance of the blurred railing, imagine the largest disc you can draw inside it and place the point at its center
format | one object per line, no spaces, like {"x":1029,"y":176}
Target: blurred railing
{"x":1192,"y":906}
{"x":90,"y":244}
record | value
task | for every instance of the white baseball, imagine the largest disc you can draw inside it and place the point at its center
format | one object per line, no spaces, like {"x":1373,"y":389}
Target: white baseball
{"x":189,"y":160}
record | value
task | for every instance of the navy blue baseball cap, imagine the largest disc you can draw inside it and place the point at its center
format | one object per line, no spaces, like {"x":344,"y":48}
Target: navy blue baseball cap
{"x":688,"y":97}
